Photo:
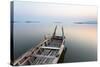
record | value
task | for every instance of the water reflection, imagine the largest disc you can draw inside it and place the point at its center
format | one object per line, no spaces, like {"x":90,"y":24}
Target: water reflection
{"x":81,"y":43}
{"x":81,"y":40}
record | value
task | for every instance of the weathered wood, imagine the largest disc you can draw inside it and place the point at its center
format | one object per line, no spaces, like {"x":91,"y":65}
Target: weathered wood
{"x":50,"y":48}
{"x":47,"y":52}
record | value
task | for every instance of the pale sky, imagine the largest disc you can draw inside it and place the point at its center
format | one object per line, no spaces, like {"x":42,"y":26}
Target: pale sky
{"x":29,"y":9}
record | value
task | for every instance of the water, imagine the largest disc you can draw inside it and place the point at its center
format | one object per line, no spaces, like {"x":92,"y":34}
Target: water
{"x":81,"y":43}
{"x":81,"y":39}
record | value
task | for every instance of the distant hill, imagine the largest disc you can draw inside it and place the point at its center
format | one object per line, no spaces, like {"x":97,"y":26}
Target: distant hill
{"x":26,"y":21}
{"x":88,"y":22}
{"x":32,"y":22}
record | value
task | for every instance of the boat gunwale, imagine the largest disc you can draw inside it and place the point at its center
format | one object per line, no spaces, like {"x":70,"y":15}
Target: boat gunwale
{"x":29,"y":54}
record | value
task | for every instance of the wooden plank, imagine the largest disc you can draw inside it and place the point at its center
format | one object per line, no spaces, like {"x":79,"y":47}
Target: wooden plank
{"x":56,"y":48}
{"x":44,"y":56}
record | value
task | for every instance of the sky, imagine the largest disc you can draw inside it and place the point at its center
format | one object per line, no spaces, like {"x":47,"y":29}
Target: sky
{"x":35,"y":11}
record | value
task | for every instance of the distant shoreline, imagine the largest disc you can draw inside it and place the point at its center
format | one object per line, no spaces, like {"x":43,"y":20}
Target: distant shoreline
{"x":26,"y":22}
{"x":84,"y":22}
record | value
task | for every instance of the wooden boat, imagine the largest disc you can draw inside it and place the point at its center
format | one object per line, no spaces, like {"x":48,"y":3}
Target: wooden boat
{"x":47,"y":52}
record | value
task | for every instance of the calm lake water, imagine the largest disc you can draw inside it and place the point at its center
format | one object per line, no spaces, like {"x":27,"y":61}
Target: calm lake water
{"x":81,"y":39}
